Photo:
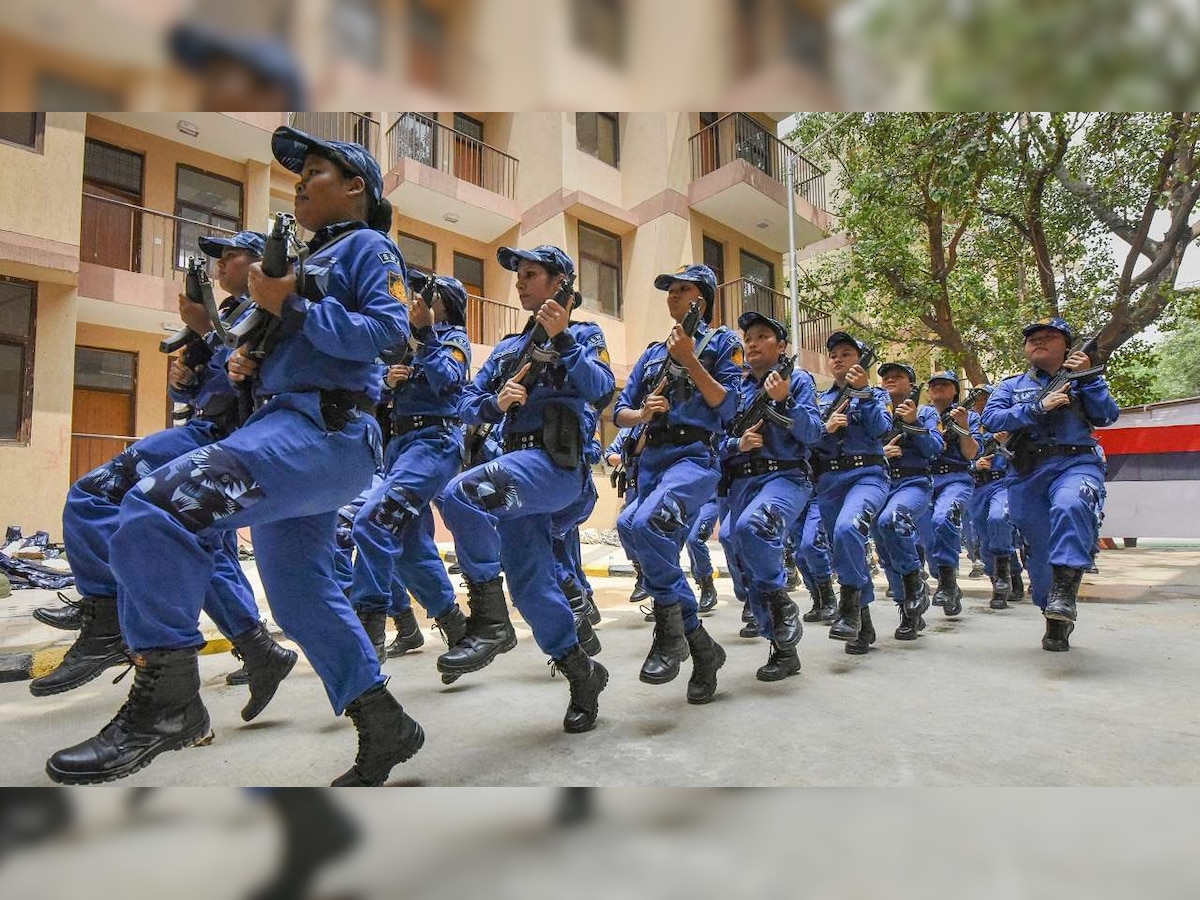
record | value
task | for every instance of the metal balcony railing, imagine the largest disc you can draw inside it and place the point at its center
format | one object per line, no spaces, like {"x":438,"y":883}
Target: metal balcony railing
{"x":489,"y":320}
{"x":746,"y":295}
{"x":418,"y":137}
{"x":133,"y":238}
{"x":358,"y":128}
{"x":737,"y":136}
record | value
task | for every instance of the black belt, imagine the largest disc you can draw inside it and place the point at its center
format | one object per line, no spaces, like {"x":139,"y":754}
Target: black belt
{"x":678,"y":436}
{"x":764,"y":465}
{"x":523,"y":440}
{"x":1026,"y":458}
{"x":908,"y":471}
{"x":984,"y":476}
{"x":946,"y":468}
{"x":405,"y":424}
{"x":823,"y":464}
{"x":336,"y":407}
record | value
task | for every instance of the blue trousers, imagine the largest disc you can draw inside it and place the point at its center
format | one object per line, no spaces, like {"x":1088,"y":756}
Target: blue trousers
{"x":1057,"y":508}
{"x":762,"y":510}
{"x":673,"y":484}
{"x":941,"y":526}
{"x":394,"y":529}
{"x":93,"y":508}
{"x":501,"y":514}
{"x":849,"y":502}
{"x":284,"y":475}
{"x":992,"y":524}
{"x":896,"y":529}
{"x":568,"y":554}
{"x":725,"y":537}
{"x":811,"y":545}
{"x":697,"y":542}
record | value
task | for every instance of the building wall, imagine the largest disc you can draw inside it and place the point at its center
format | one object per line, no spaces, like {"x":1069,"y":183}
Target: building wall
{"x":151,"y":403}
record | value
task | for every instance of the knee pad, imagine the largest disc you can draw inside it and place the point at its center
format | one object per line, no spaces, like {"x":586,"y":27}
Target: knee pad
{"x":1090,"y":493}
{"x":117,"y":477}
{"x":667,"y":518}
{"x":767,"y":523}
{"x":862,"y":522}
{"x":954,"y":515}
{"x":398,"y":508}
{"x":202,"y":488}
{"x":902,"y":523}
{"x":489,"y":487}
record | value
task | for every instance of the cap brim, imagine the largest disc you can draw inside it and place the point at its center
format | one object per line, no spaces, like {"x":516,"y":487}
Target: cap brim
{"x":291,"y":147}
{"x":510,"y":258}
{"x":215,"y":246}
{"x":1026,"y":332}
{"x":893,"y":367}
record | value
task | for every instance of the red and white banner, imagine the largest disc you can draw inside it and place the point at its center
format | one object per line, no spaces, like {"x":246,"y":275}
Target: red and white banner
{"x":1153,"y":471}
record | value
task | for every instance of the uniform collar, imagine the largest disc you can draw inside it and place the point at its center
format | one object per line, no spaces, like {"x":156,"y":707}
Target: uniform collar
{"x":329,"y":232}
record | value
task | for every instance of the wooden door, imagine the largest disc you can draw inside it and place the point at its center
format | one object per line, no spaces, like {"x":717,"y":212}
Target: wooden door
{"x":110,"y":234}
{"x":101,"y":422}
{"x":468,"y":149}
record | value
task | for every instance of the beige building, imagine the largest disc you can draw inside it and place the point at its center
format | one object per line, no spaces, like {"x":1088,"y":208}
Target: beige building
{"x":99,"y":212}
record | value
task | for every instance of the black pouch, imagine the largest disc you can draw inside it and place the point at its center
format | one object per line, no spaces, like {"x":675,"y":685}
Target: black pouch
{"x":1025,"y":459}
{"x":560,"y":434}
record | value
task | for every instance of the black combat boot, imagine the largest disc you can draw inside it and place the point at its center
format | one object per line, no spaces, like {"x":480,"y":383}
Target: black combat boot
{"x":749,"y":623}
{"x":639,"y":585}
{"x":587,"y":679}
{"x":949,"y":594}
{"x":374,"y":623}
{"x":163,"y":713}
{"x":387,"y":736}
{"x":707,"y":657}
{"x":489,"y":631}
{"x":708,"y":594}
{"x":907,"y":629}
{"x":1018,"y":583}
{"x":408,"y":633}
{"x":267,"y":664}
{"x":785,"y":617}
{"x":790,"y":570}
{"x":1057,"y":632}
{"x":668,"y":648}
{"x":849,"y":615}
{"x":584,"y":632}
{"x":68,"y":617}
{"x":1064,"y":586}
{"x":782,"y":662}
{"x":452,"y":624}
{"x":315,"y":832}
{"x":1001,"y":583}
{"x":572,"y":589}
{"x":866,"y":634}
{"x":916,"y":595}
{"x":824,"y":608}
{"x":238,"y":677}
{"x":98,"y":646}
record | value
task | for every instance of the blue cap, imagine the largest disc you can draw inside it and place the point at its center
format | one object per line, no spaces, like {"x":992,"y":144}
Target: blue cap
{"x":545,"y":255}
{"x":899,"y":367}
{"x":752,"y":317}
{"x":699,"y":275}
{"x":451,"y":290}
{"x":195,"y":46}
{"x":844,"y":337}
{"x":253,"y":242}
{"x":985,"y":388}
{"x":1053,"y":322}
{"x":290,"y":146}
{"x":944,"y":376}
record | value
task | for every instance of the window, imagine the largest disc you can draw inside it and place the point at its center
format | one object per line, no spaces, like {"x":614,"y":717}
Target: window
{"x":418,"y":253}
{"x":598,"y":134}
{"x":599,"y":26}
{"x":600,"y":270}
{"x":714,"y":257}
{"x":469,"y":271}
{"x":23,"y":129}
{"x":18,"y":301}
{"x":113,"y":167}
{"x":357,"y":28}
{"x":757,"y":269}
{"x":417,"y":137}
{"x":105,"y":370}
{"x":205,"y":199}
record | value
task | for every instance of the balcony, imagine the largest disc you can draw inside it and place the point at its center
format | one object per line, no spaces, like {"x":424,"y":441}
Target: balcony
{"x":739,"y":178}
{"x":133,"y":258}
{"x":745,"y":295}
{"x":450,"y":180}
{"x":357,"y":128}
{"x":489,"y":320}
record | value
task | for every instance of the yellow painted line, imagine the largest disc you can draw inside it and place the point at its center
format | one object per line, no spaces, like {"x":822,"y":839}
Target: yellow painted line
{"x":47,"y":660}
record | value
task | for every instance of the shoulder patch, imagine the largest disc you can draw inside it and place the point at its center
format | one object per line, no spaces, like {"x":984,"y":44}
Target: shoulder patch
{"x":397,"y":288}
{"x":738,"y":355}
{"x":604,"y":357}
{"x":387,"y":257}
{"x":459,"y":355}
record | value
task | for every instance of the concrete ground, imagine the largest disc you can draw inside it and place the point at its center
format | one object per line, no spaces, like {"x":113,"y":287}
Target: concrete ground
{"x":975,"y":701}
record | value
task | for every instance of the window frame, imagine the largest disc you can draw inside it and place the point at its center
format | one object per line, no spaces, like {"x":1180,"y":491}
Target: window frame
{"x":616,"y":123}
{"x":28,"y":344}
{"x":39,"y":133}
{"x":474,"y":259}
{"x":742,"y":252}
{"x":416,"y":237}
{"x":620,"y":268}
{"x":240,"y":224}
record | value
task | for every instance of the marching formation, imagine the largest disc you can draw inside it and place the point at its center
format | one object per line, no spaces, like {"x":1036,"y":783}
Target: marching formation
{"x":331,"y":405}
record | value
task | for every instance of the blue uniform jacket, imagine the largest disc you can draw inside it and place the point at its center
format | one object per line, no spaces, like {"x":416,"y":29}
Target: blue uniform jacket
{"x":951,"y":454}
{"x":354,"y":308}
{"x":212,"y":393}
{"x":1011,"y":406}
{"x":580,"y":377}
{"x":440,"y":369}
{"x":779,"y":442}
{"x":869,"y":422}
{"x":723,"y":360}
{"x":919,"y":450}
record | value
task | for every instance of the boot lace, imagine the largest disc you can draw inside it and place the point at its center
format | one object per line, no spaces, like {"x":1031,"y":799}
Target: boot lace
{"x":364,"y":736}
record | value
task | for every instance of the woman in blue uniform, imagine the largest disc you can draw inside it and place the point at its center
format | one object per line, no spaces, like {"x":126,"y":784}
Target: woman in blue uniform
{"x":311,"y":446}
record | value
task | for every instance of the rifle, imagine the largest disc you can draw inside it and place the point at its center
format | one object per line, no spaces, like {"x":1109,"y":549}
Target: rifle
{"x":762,"y":406}
{"x":847,"y":393}
{"x":538,"y":352}
{"x":258,"y":328}
{"x":676,"y":376}
{"x":1064,"y":376}
{"x":993,"y":445}
{"x":966,"y":403}
{"x":902,"y":429}
{"x":194,"y":284}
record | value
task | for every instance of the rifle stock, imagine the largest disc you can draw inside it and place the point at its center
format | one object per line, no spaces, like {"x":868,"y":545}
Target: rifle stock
{"x":760,"y":407}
